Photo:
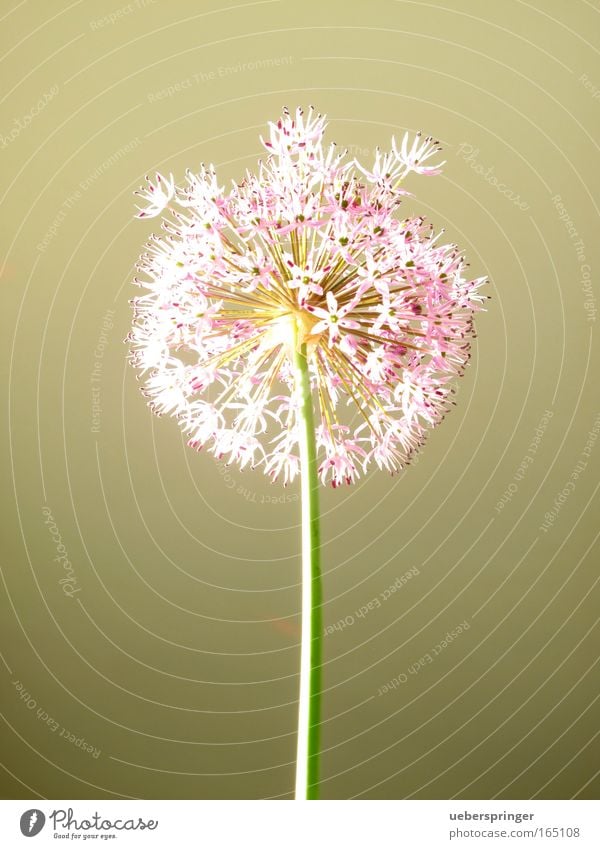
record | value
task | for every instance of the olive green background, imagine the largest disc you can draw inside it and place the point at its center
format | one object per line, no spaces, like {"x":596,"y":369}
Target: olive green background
{"x":177,"y":656}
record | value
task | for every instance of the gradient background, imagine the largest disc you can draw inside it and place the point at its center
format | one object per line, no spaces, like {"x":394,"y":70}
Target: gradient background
{"x":177,"y":657}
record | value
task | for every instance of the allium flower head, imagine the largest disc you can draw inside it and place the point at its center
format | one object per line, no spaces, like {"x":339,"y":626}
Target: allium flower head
{"x":309,"y":250}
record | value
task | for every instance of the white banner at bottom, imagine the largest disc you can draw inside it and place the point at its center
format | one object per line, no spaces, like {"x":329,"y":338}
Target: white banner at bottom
{"x":297,"y":825}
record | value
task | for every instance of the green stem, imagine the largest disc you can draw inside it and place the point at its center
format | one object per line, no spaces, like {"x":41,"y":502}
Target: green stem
{"x":309,"y":705}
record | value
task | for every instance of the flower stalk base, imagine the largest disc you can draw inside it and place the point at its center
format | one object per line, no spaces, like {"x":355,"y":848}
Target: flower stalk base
{"x":309,"y":704}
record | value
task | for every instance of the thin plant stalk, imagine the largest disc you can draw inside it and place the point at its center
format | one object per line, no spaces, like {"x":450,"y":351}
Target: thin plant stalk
{"x":309,"y":705}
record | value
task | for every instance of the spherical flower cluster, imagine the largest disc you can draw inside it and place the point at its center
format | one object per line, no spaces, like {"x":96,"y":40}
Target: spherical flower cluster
{"x":310,"y":252}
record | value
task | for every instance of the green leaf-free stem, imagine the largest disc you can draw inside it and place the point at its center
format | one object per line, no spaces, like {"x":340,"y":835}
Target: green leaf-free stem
{"x":309,"y":705}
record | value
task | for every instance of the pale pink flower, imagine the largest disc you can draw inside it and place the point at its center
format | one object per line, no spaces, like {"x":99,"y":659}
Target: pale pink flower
{"x":310,"y":246}
{"x":415,"y":158}
{"x":158,"y":195}
{"x":333,"y":319}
